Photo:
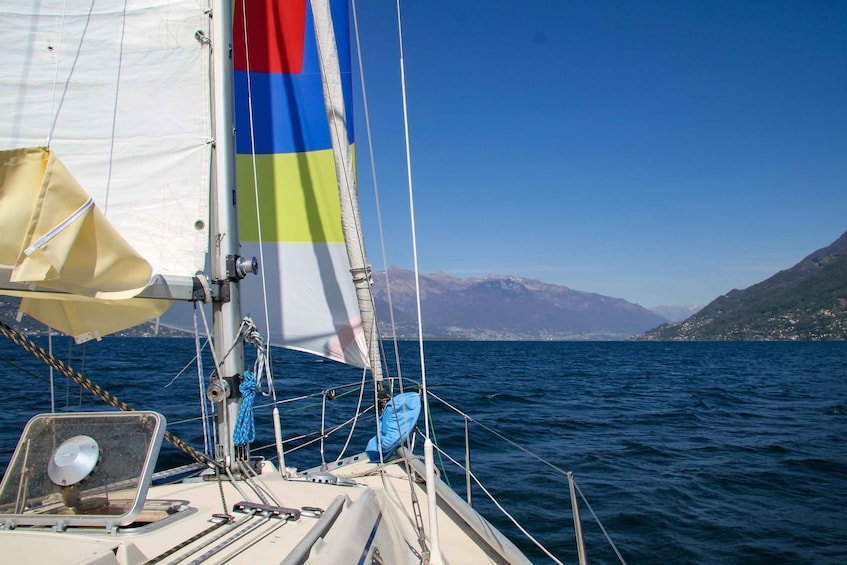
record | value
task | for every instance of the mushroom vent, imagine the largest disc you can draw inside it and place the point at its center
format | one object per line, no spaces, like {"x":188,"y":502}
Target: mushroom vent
{"x":73,"y":461}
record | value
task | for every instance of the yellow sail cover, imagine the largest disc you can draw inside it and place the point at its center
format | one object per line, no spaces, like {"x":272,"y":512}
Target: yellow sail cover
{"x":54,"y":239}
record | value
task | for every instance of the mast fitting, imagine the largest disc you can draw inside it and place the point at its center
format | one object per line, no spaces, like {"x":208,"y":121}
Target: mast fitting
{"x":221,"y":388}
{"x":238,"y":267}
{"x":362,"y":274}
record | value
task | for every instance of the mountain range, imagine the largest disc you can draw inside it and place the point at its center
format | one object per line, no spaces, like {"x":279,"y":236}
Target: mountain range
{"x":806,"y":302}
{"x":495,"y":307}
{"x":504,"y":308}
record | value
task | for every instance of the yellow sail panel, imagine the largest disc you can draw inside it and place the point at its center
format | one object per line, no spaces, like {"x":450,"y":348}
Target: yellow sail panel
{"x":54,"y":238}
{"x":300,"y":204}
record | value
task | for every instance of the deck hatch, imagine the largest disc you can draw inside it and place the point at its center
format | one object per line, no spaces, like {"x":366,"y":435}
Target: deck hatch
{"x":52,"y":481}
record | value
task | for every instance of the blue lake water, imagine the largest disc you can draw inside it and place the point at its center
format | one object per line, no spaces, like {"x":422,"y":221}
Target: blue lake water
{"x":687,"y":452}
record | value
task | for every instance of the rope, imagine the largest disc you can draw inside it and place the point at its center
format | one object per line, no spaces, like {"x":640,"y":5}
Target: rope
{"x":245,"y":425}
{"x":262,"y":366}
{"x":38,"y":352}
{"x":221,"y":490}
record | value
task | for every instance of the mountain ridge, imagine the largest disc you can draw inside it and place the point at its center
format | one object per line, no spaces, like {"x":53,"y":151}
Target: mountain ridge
{"x":506,"y":307}
{"x":805,"y":302}
{"x":494,"y":307}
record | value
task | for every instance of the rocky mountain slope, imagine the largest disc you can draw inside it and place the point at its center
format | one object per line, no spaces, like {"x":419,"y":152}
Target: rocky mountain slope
{"x":805,"y":302}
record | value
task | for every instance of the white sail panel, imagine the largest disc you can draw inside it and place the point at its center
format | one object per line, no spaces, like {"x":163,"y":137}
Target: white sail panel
{"x":311,"y":304}
{"x":120,"y":92}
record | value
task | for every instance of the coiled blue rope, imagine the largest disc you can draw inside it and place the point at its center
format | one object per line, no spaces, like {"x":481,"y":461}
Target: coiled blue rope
{"x":245,"y":425}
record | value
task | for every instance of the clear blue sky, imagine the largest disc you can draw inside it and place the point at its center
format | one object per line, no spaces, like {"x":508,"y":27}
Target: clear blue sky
{"x":661,"y":152}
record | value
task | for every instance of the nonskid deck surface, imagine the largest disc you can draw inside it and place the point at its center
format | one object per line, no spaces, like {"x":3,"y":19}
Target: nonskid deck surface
{"x":373,"y":517}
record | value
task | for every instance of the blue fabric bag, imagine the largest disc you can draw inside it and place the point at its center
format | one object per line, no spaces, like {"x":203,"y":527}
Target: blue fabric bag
{"x":403,"y":408}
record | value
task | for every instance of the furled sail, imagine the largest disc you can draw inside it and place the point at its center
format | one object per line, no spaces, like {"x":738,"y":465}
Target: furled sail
{"x":311,"y":297}
{"x":55,"y":238}
{"x":119,"y":93}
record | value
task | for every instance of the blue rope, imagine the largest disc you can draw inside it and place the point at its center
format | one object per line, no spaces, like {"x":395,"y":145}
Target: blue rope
{"x":245,"y":425}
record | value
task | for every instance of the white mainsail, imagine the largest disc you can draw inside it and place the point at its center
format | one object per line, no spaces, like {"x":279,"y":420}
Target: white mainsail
{"x":119,"y":93}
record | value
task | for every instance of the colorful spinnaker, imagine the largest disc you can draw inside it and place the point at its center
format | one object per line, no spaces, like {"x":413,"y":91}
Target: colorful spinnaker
{"x":285,"y":151}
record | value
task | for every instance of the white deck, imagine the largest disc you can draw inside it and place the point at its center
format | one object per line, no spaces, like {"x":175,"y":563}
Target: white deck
{"x":375,"y":525}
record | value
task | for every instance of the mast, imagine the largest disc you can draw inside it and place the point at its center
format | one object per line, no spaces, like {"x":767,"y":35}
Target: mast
{"x":351,"y":222}
{"x":223,"y":239}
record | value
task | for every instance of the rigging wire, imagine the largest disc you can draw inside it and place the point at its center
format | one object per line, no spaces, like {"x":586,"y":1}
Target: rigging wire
{"x":503,"y":510}
{"x":599,"y":523}
{"x":50,"y":351}
{"x":218,"y":362}
{"x":208,"y":447}
{"x":53,"y":113}
{"x":440,"y":459}
{"x":252,"y":130}
{"x":68,"y":382}
{"x":26,"y":371}
{"x":218,"y":366}
{"x":82,"y":372}
{"x":418,"y":519}
{"x":54,"y":110}
{"x":413,"y":227}
{"x":382,"y":239}
{"x":193,"y":359}
{"x":372,"y":160}
{"x":538,"y":458}
{"x":430,"y":546}
{"x":108,"y":182}
{"x":504,"y":438}
{"x":369,"y":138}
{"x":266,"y":354}
{"x":356,"y":420}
